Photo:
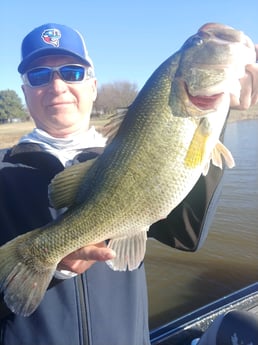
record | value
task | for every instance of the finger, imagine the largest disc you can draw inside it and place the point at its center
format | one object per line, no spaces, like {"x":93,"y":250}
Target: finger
{"x":96,"y":254}
{"x":90,"y":253}
{"x":244,"y":99}
{"x":84,"y":257}
{"x":246,"y":91}
{"x":253,"y":71}
{"x":77,"y":266}
{"x":256,"y":50}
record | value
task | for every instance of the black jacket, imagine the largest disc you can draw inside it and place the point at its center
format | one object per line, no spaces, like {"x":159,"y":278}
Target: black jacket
{"x":100,"y":306}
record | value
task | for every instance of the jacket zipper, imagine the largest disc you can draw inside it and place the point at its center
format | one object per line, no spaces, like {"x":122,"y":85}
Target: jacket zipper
{"x":83,"y":308}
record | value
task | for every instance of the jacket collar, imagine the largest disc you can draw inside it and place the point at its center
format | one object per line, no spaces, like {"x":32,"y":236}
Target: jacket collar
{"x":33,"y":155}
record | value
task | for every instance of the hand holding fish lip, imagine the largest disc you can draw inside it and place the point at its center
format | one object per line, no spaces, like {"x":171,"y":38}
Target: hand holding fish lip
{"x":249,"y":87}
{"x":202,"y":78}
{"x":249,"y":82}
{"x":82,"y":259}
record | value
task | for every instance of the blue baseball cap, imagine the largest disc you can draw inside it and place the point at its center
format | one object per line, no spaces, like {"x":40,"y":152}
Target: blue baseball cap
{"x":52,"y":39}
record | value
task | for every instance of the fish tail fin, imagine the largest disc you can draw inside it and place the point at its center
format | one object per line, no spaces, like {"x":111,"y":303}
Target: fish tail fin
{"x":129,"y":251}
{"x":23,"y":285}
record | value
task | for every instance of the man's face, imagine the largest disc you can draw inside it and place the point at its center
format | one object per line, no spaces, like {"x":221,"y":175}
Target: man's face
{"x":60,"y":108}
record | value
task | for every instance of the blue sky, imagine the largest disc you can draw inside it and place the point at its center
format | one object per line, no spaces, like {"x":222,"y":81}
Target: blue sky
{"x":127,"y":40}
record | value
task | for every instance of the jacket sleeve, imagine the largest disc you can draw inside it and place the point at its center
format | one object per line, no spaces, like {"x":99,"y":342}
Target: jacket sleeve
{"x":187,"y":226}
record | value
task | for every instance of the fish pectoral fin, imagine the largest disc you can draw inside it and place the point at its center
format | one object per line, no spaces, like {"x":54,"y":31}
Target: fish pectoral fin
{"x":196,"y":152}
{"x":63,"y":188}
{"x":130,"y":251}
{"x":220,"y":151}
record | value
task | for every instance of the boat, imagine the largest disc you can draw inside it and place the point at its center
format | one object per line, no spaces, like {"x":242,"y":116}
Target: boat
{"x":192,"y":325}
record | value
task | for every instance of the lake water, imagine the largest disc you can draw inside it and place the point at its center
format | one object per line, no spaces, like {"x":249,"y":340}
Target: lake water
{"x":180,"y":282}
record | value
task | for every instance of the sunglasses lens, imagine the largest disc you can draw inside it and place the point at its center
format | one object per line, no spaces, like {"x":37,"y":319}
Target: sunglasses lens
{"x":42,"y":75}
{"x":72,"y":73}
{"x":39,"y":76}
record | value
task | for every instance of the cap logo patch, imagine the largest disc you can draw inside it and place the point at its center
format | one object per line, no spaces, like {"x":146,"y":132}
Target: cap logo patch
{"x":51,"y":36}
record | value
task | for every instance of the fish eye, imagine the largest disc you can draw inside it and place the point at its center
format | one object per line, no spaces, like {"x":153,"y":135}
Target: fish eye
{"x":199,"y":41}
{"x":195,"y":40}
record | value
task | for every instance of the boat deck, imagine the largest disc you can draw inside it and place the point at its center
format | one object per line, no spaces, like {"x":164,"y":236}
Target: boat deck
{"x":192,"y":325}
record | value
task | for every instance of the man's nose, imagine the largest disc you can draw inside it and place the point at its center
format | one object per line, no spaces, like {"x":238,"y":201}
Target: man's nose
{"x":57,"y":82}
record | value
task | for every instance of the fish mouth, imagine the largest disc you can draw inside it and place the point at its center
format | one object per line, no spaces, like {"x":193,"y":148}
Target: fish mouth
{"x":204,"y":102}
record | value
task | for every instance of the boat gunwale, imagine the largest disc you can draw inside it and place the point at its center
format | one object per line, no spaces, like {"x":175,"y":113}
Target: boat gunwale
{"x":196,"y":322}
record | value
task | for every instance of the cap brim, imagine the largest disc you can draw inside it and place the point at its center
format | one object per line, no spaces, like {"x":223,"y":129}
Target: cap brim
{"x":25,"y":64}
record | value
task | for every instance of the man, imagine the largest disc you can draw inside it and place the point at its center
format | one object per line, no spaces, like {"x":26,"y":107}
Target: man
{"x":97,"y":306}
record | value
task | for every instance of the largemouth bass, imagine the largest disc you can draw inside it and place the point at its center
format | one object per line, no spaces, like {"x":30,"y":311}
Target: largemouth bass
{"x":164,"y":143}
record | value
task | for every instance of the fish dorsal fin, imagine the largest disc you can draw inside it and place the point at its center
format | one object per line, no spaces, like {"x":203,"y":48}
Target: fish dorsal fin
{"x":111,"y":128}
{"x":129,"y":251}
{"x":63,"y":188}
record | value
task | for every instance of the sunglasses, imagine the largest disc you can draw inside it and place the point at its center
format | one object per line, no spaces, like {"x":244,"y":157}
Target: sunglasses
{"x":43,"y":75}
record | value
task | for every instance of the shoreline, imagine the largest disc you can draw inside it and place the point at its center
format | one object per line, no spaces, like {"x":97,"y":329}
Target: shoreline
{"x":239,"y":115}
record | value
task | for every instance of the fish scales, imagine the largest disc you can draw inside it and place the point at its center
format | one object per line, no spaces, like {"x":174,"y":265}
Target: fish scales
{"x":162,"y":146}
{"x":128,"y":172}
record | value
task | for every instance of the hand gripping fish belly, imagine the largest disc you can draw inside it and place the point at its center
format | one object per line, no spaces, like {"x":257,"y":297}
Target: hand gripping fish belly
{"x":165,"y":141}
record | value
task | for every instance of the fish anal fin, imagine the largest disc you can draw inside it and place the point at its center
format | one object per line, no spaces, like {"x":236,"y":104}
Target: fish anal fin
{"x":130,"y":252}
{"x":63,"y":188}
